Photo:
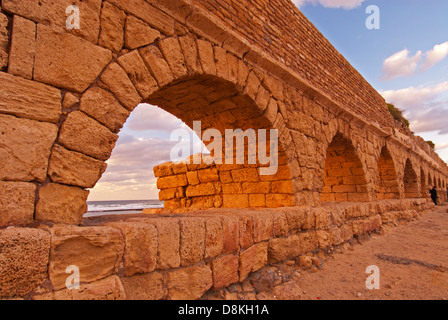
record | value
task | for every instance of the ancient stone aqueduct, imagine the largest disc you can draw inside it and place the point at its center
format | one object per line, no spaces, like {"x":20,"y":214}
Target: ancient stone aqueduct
{"x":346,"y":168}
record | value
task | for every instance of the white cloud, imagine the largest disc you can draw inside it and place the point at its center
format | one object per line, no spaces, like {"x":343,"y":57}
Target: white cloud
{"x":438,"y":53}
{"x":147,"y":117}
{"x":400,"y":64}
{"x":345,"y":4}
{"x":425,"y":106}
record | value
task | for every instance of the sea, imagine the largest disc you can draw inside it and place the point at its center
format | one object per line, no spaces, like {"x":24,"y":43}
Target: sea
{"x":99,"y":208}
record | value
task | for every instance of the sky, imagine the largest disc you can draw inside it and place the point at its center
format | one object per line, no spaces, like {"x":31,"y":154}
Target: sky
{"x":405,"y":58}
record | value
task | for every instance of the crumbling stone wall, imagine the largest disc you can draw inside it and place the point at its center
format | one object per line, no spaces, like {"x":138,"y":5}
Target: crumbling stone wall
{"x":180,"y":256}
{"x":196,"y":186}
{"x":65,"y":94}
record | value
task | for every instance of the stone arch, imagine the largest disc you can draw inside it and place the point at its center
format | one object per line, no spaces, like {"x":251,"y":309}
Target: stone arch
{"x":344,"y":175}
{"x":194,"y":80}
{"x":410,"y":181}
{"x":423,"y":185}
{"x":388,"y":181}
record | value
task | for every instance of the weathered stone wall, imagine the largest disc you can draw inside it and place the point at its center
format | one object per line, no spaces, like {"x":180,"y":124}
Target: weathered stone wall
{"x":196,"y":186}
{"x":180,"y":256}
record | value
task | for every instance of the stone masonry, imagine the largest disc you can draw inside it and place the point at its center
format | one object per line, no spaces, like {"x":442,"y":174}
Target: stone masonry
{"x":344,"y":168}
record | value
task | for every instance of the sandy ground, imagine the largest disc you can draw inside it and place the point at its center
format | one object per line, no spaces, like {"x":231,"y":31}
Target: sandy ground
{"x":412,"y":261}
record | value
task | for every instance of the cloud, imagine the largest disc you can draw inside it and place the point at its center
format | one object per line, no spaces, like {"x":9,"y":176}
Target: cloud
{"x":148,"y":117}
{"x":344,"y":4}
{"x":438,"y":53}
{"x":441,"y":146}
{"x":425,"y":106}
{"x":400,"y":64}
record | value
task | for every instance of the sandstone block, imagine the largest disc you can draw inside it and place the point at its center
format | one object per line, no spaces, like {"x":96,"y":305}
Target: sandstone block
{"x":23,"y":47}
{"x":61,"y":204}
{"x":235,"y":201}
{"x":208,"y":175}
{"x":24,"y":254}
{"x":84,"y":247}
{"x":192,"y":177}
{"x":172,"y":193}
{"x":225,"y":271}
{"x":150,"y":286}
{"x":29,"y":99}
{"x":70,"y":99}
{"x":102,"y":106}
{"x":262,"y":227}
{"x":280,"y":226}
{"x":192,"y":240}
{"x":189,"y":283}
{"x":112,"y":27}
{"x":202,"y":189}
{"x":231,"y":234}
{"x":118,"y":82}
{"x":179,"y":180}
{"x":157,"y":65}
{"x":245,"y":175}
{"x":4,"y":41}
{"x":323,"y":239}
{"x":138,"y":33}
{"x":140,"y":253}
{"x":281,"y":249}
{"x":83,"y":134}
{"x":73,"y":168}
{"x":256,"y":187}
{"x":109,"y":288}
{"x":206,"y":56}
{"x":245,"y":231}
{"x":53,"y":13}
{"x":16,"y":203}
{"x":214,"y":237}
{"x":225,"y":177}
{"x":25,"y":150}
{"x":222,"y":69}
{"x":232,"y":188}
{"x":151,"y":15}
{"x":172,"y":52}
{"x":180,"y":167}
{"x":257,"y":200}
{"x":135,"y":68}
{"x":188,"y":45}
{"x":168,"y":255}
{"x":282,"y":187}
{"x":253,"y":259}
{"x":279,"y":200}
{"x":66,"y":61}
{"x":164,"y":169}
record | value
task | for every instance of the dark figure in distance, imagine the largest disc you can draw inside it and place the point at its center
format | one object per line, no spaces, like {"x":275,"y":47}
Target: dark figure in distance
{"x":433,"y":193}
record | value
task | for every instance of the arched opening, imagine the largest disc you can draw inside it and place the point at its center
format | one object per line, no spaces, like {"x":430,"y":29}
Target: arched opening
{"x":388,"y":183}
{"x":410,"y":181}
{"x":344,"y":177}
{"x":216,"y":111}
{"x":128,"y":185}
{"x":423,"y":185}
